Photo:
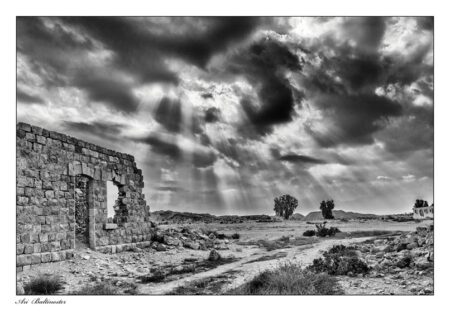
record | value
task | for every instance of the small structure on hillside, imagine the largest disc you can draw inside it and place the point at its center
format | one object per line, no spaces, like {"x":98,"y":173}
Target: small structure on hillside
{"x":423,"y":212}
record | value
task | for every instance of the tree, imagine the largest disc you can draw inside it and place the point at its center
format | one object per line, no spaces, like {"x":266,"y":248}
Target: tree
{"x":420,"y":203}
{"x":327,"y":209}
{"x":285,"y":206}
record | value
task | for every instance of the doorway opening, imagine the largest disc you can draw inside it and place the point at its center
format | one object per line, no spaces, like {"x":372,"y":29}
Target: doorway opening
{"x":82,"y":188}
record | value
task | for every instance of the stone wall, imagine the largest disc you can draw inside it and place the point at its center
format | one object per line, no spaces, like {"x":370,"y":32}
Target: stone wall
{"x":47,"y":165}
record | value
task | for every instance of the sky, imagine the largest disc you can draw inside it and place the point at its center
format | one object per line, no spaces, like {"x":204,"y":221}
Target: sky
{"x":223,"y":114}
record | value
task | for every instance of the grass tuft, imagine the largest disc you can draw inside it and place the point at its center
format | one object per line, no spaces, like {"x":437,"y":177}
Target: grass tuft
{"x":289,"y":279}
{"x":43,"y":285}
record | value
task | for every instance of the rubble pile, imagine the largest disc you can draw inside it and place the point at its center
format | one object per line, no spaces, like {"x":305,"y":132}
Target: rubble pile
{"x":168,"y":239}
{"x":406,"y":258}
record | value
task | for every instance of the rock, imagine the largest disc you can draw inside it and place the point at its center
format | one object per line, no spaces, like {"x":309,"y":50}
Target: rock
{"x":388,"y":248}
{"x":214,"y":255}
{"x":171,"y":241}
{"x":411,"y":246}
{"x":422,"y":231}
{"x":161,"y":247}
{"x":212,"y":236}
{"x":386,"y":263}
{"x":192,"y":245}
{"x":401,"y":246}
{"x":430,"y":256}
{"x":85,"y":257}
{"x":403,"y":262}
{"x":422,"y":263}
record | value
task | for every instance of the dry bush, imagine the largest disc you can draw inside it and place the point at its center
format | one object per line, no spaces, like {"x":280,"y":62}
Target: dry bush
{"x":339,"y":260}
{"x":43,"y":285}
{"x":289,"y":279}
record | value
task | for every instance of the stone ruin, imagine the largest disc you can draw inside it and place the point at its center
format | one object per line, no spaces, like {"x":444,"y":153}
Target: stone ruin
{"x":62,"y":198}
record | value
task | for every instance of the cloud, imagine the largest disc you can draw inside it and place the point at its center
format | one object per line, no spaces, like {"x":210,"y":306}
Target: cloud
{"x":24,"y":97}
{"x":143,"y":45}
{"x":178,"y":149}
{"x":207,"y":95}
{"x":108,"y":88}
{"x":168,"y":113}
{"x":212,"y":115}
{"x":352,"y":119}
{"x":301,"y":159}
{"x":223,"y":103}
{"x":264,"y":63}
{"x":102,"y":129}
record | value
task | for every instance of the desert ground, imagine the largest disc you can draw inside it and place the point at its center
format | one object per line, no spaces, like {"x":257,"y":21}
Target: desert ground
{"x":247,"y":249}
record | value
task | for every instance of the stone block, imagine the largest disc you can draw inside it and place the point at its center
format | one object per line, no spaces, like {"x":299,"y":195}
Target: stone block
{"x":30,"y":136}
{"x":43,"y":237}
{"x":24,"y":126}
{"x":110,"y":226}
{"x":46,"y":257}
{"x":20,"y":248}
{"x":28,"y":248}
{"x":23,"y":260}
{"x":49,"y":194}
{"x":55,"y":256}
{"x":25,"y":237}
{"x":36,"y":130}
{"x":35,"y":258}
{"x":37,"y":248}
{"x":41,"y":140}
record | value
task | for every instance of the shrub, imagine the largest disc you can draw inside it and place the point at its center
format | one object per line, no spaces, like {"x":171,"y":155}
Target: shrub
{"x":235,"y":236}
{"x":289,"y":279}
{"x":309,"y":233}
{"x":323,"y":231}
{"x":339,"y":260}
{"x":156,"y":277}
{"x":43,"y":285}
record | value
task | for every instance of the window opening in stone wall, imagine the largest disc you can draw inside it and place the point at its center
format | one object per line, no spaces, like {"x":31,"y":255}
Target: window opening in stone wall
{"x":82,"y":211}
{"x":111,"y":197}
{"x":120,"y":208}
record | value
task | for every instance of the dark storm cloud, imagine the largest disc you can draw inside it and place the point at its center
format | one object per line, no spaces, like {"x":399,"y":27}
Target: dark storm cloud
{"x":367,"y":32}
{"x":263,"y":64}
{"x":141,"y":49}
{"x":102,"y":129}
{"x":168,"y":113}
{"x":167,"y":145}
{"x":426,"y":23}
{"x":160,"y":144}
{"x":24,"y":97}
{"x":353,"y":118}
{"x":109,"y":89}
{"x":301,"y":159}
{"x":59,"y":50}
{"x":58,"y":56}
{"x":413,"y":132}
{"x":343,"y":85}
{"x":169,"y":188}
{"x":207,"y":95}
{"x":212,"y":115}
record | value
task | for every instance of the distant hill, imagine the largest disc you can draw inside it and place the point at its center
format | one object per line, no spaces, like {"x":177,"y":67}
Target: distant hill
{"x":297,"y":216}
{"x":177,"y":217}
{"x":338,"y":214}
{"x":169,"y":216}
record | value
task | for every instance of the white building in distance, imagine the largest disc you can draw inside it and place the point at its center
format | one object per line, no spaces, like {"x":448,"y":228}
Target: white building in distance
{"x":423,"y":212}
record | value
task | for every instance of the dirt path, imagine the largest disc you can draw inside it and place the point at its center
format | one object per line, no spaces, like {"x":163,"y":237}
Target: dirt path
{"x":245,"y":269}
